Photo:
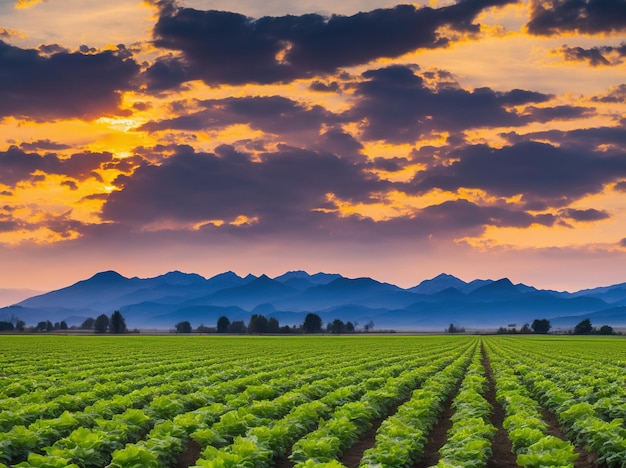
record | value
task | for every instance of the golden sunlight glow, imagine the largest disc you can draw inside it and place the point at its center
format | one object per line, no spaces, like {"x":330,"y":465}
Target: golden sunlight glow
{"x":22,"y":4}
{"x":243,"y":220}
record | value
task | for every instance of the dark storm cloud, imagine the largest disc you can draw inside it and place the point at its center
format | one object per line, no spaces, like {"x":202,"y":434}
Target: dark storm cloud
{"x":397,"y":106}
{"x":224,"y":47}
{"x":595,"y":56}
{"x":588,"y":215}
{"x":542,"y":173}
{"x":17,"y":165}
{"x":621,"y":186}
{"x":274,"y":114}
{"x":279,"y":188}
{"x":62,"y":85}
{"x":553,"y":17}
{"x":622,"y":243}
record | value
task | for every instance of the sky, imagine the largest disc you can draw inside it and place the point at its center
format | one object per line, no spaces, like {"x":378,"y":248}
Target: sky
{"x":480,"y":138}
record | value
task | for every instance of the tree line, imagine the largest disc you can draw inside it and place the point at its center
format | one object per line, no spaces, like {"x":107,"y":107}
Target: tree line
{"x":543,"y":326}
{"x":260,"y":324}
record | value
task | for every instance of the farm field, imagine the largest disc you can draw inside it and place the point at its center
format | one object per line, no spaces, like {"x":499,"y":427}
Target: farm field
{"x":357,"y":401}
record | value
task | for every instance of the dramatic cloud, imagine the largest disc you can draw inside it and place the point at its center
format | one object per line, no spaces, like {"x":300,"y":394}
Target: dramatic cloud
{"x":553,"y":17}
{"x":17,"y":165}
{"x":279,"y":189}
{"x":274,"y":114}
{"x":542,"y":173}
{"x":611,"y":139}
{"x":224,"y":47}
{"x":596,"y":56}
{"x":396,"y":105}
{"x":63,"y":85}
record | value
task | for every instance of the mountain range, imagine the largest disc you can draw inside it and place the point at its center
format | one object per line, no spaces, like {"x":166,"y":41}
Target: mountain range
{"x":163,"y":301}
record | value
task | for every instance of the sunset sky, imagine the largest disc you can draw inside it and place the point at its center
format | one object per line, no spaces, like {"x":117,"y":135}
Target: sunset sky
{"x":481,"y":138}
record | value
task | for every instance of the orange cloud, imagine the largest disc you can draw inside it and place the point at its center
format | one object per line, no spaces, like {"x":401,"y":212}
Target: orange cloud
{"x":23,"y":4}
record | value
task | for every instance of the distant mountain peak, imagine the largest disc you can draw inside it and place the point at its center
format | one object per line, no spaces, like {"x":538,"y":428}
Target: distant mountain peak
{"x":297,"y":274}
{"x":107,"y":276}
{"x":439,"y":283}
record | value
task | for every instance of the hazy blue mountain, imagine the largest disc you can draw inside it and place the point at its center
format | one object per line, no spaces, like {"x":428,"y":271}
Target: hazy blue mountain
{"x":445,"y":281}
{"x":615,"y":316}
{"x":438,"y":283}
{"x":260,"y":290}
{"x":615,"y":294}
{"x":317,"y":278}
{"x":163,"y":301}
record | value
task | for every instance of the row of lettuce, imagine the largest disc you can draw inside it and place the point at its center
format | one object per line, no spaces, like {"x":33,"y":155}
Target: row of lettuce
{"x":252,"y":402}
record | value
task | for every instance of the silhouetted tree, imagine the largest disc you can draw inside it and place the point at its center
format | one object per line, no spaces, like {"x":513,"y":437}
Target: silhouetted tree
{"x":312,"y":323}
{"x":337,"y":326}
{"x":7,"y":326}
{"x":101,"y":324}
{"x":88,"y":324}
{"x":237,"y":326}
{"x":273,"y":326}
{"x":349,"y":327}
{"x":117,"y":325}
{"x":369,"y":326}
{"x":257,"y":324}
{"x":204,"y":329}
{"x":541,"y":326}
{"x":63,"y":325}
{"x":606,"y":330}
{"x":222,"y":324}
{"x":20,"y":325}
{"x":183,"y":327}
{"x":525,"y":328}
{"x":583,"y":328}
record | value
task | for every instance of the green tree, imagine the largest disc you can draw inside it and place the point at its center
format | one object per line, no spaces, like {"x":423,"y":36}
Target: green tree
{"x":222,"y":324}
{"x":541,"y":326}
{"x":583,"y":328}
{"x":101,"y":324}
{"x":312,"y":323}
{"x":117,"y":324}
{"x":183,"y":327}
